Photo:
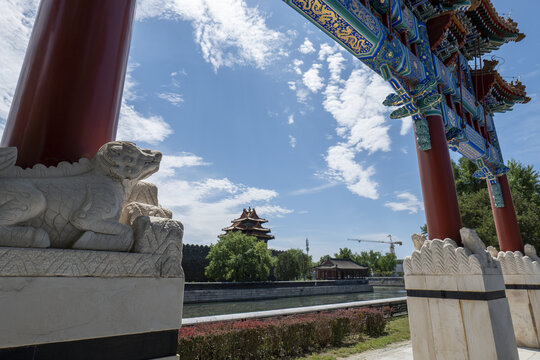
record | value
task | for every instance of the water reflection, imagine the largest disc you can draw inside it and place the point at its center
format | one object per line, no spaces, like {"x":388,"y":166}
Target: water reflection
{"x":206,"y":309}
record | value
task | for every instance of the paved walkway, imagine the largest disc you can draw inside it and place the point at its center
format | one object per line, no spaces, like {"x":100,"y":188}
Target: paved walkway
{"x":403,"y":351}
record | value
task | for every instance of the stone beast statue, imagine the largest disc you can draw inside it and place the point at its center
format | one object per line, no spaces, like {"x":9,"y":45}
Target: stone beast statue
{"x":73,"y":205}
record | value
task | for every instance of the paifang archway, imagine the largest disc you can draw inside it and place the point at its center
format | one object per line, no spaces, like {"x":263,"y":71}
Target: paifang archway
{"x":67,"y":102}
{"x":422,"y":49}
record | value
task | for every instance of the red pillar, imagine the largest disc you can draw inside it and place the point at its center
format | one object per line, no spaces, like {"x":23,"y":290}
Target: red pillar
{"x":69,"y":92}
{"x":438,"y":187}
{"x":505,"y":219}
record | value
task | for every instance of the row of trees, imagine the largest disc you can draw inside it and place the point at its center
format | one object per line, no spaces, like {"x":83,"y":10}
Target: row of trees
{"x":238,"y":257}
{"x":475,"y":206}
{"x":378,"y":264}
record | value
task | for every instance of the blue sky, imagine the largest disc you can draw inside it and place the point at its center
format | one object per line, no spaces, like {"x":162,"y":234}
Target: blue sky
{"x":253,"y":106}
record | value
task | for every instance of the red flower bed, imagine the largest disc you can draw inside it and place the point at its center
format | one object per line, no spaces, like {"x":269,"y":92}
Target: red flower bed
{"x":276,"y":338}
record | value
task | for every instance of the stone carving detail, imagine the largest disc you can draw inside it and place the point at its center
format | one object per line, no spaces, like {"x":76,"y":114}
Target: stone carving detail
{"x":418,"y":240}
{"x":78,"y":210}
{"x":61,"y":262}
{"x":445,"y":257}
{"x":492,"y":251}
{"x":530,"y":251}
{"x":97,"y":204}
{"x":514,"y":263}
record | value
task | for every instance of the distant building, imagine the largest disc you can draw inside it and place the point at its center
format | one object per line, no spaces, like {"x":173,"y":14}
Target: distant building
{"x":337,"y":269}
{"x":249,"y":223}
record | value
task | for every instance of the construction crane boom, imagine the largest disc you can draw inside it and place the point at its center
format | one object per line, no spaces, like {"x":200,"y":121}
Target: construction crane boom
{"x":392,"y":247}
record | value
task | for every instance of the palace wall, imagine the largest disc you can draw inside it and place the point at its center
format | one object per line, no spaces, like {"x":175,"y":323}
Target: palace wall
{"x":194,"y":262}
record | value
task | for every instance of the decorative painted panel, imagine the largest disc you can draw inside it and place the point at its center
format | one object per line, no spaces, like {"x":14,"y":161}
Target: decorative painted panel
{"x":333,"y":23}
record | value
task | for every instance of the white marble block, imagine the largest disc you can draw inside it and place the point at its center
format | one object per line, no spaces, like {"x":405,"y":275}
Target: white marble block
{"x":41,"y":310}
{"x":86,"y":253}
{"x":522,"y":280}
{"x":456,"y":302}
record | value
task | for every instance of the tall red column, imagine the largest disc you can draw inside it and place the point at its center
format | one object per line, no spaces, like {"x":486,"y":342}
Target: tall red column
{"x":505,"y":219}
{"x":438,"y":187}
{"x":69,"y":92}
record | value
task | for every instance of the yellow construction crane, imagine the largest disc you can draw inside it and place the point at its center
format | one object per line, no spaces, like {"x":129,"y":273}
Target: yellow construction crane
{"x":392,"y":247}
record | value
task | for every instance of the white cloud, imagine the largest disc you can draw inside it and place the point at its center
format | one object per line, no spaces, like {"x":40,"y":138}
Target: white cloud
{"x":296,"y":66}
{"x":356,"y":104}
{"x":336,"y":64}
{"x":302,"y":95}
{"x":406,"y":125}
{"x":406,"y":202}
{"x":207,"y":206}
{"x":134,"y":126}
{"x":292,"y":85}
{"x":16,"y":20}
{"x":313,"y":190}
{"x":312,"y":80}
{"x":357,"y":178}
{"x":307,"y":47}
{"x":229,"y":32}
{"x":290,"y":121}
{"x":173,"y":98}
{"x":325,"y":50}
{"x":272,"y":210}
{"x":292,"y":141}
{"x":169,"y":164}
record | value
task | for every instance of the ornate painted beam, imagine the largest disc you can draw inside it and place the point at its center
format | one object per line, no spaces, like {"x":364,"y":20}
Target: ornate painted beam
{"x":390,"y":38}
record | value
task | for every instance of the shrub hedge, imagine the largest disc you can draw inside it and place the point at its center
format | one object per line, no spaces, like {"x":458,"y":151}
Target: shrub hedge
{"x":277,"y":338}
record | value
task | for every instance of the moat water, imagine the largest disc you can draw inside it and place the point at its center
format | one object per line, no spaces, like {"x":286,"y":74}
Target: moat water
{"x":220,"y":308}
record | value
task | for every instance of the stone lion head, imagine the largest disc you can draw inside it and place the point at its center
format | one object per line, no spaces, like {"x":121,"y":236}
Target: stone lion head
{"x":124,"y":160}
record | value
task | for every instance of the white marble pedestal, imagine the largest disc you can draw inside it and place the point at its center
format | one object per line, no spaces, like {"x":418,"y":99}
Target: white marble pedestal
{"x":65,"y":301}
{"x":522,"y":282}
{"x":457,"y":305}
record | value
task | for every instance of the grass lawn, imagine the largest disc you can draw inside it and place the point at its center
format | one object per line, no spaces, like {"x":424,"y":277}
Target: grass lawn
{"x":397,"y":330}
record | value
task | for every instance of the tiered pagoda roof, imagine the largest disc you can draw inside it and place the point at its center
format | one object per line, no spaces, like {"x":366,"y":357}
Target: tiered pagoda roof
{"x":493,"y":29}
{"x":476,"y":31}
{"x":447,"y":35}
{"x":498,"y":94}
{"x":249,"y":223}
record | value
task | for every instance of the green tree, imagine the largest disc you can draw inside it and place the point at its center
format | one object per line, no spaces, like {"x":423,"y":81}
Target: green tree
{"x":293,"y":264}
{"x":323,"y":259}
{"x":386,"y":265}
{"x":345,"y":253}
{"x":238,"y":257}
{"x":423,"y":230}
{"x":475,"y":206}
{"x":369,"y":259}
{"x":524,"y":180}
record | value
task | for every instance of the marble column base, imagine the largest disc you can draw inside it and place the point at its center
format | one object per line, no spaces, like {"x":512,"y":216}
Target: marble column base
{"x":445,"y":328}
{"x":522,"y":281}
{"x":525,"y":310}
{"x":457,"y":303}
{"x":41,"y":310}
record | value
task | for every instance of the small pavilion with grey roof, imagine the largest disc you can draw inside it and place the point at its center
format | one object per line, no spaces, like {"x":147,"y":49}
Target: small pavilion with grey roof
{"x":339,"y":269}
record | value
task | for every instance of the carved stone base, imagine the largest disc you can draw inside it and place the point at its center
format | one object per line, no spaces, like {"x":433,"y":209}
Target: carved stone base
{"x":41,"y":310}
{"x":456,"y":303}
{"x":522,"y":281}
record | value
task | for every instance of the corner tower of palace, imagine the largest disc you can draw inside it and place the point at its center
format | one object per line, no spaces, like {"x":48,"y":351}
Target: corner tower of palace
{"x":249,"y":223}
